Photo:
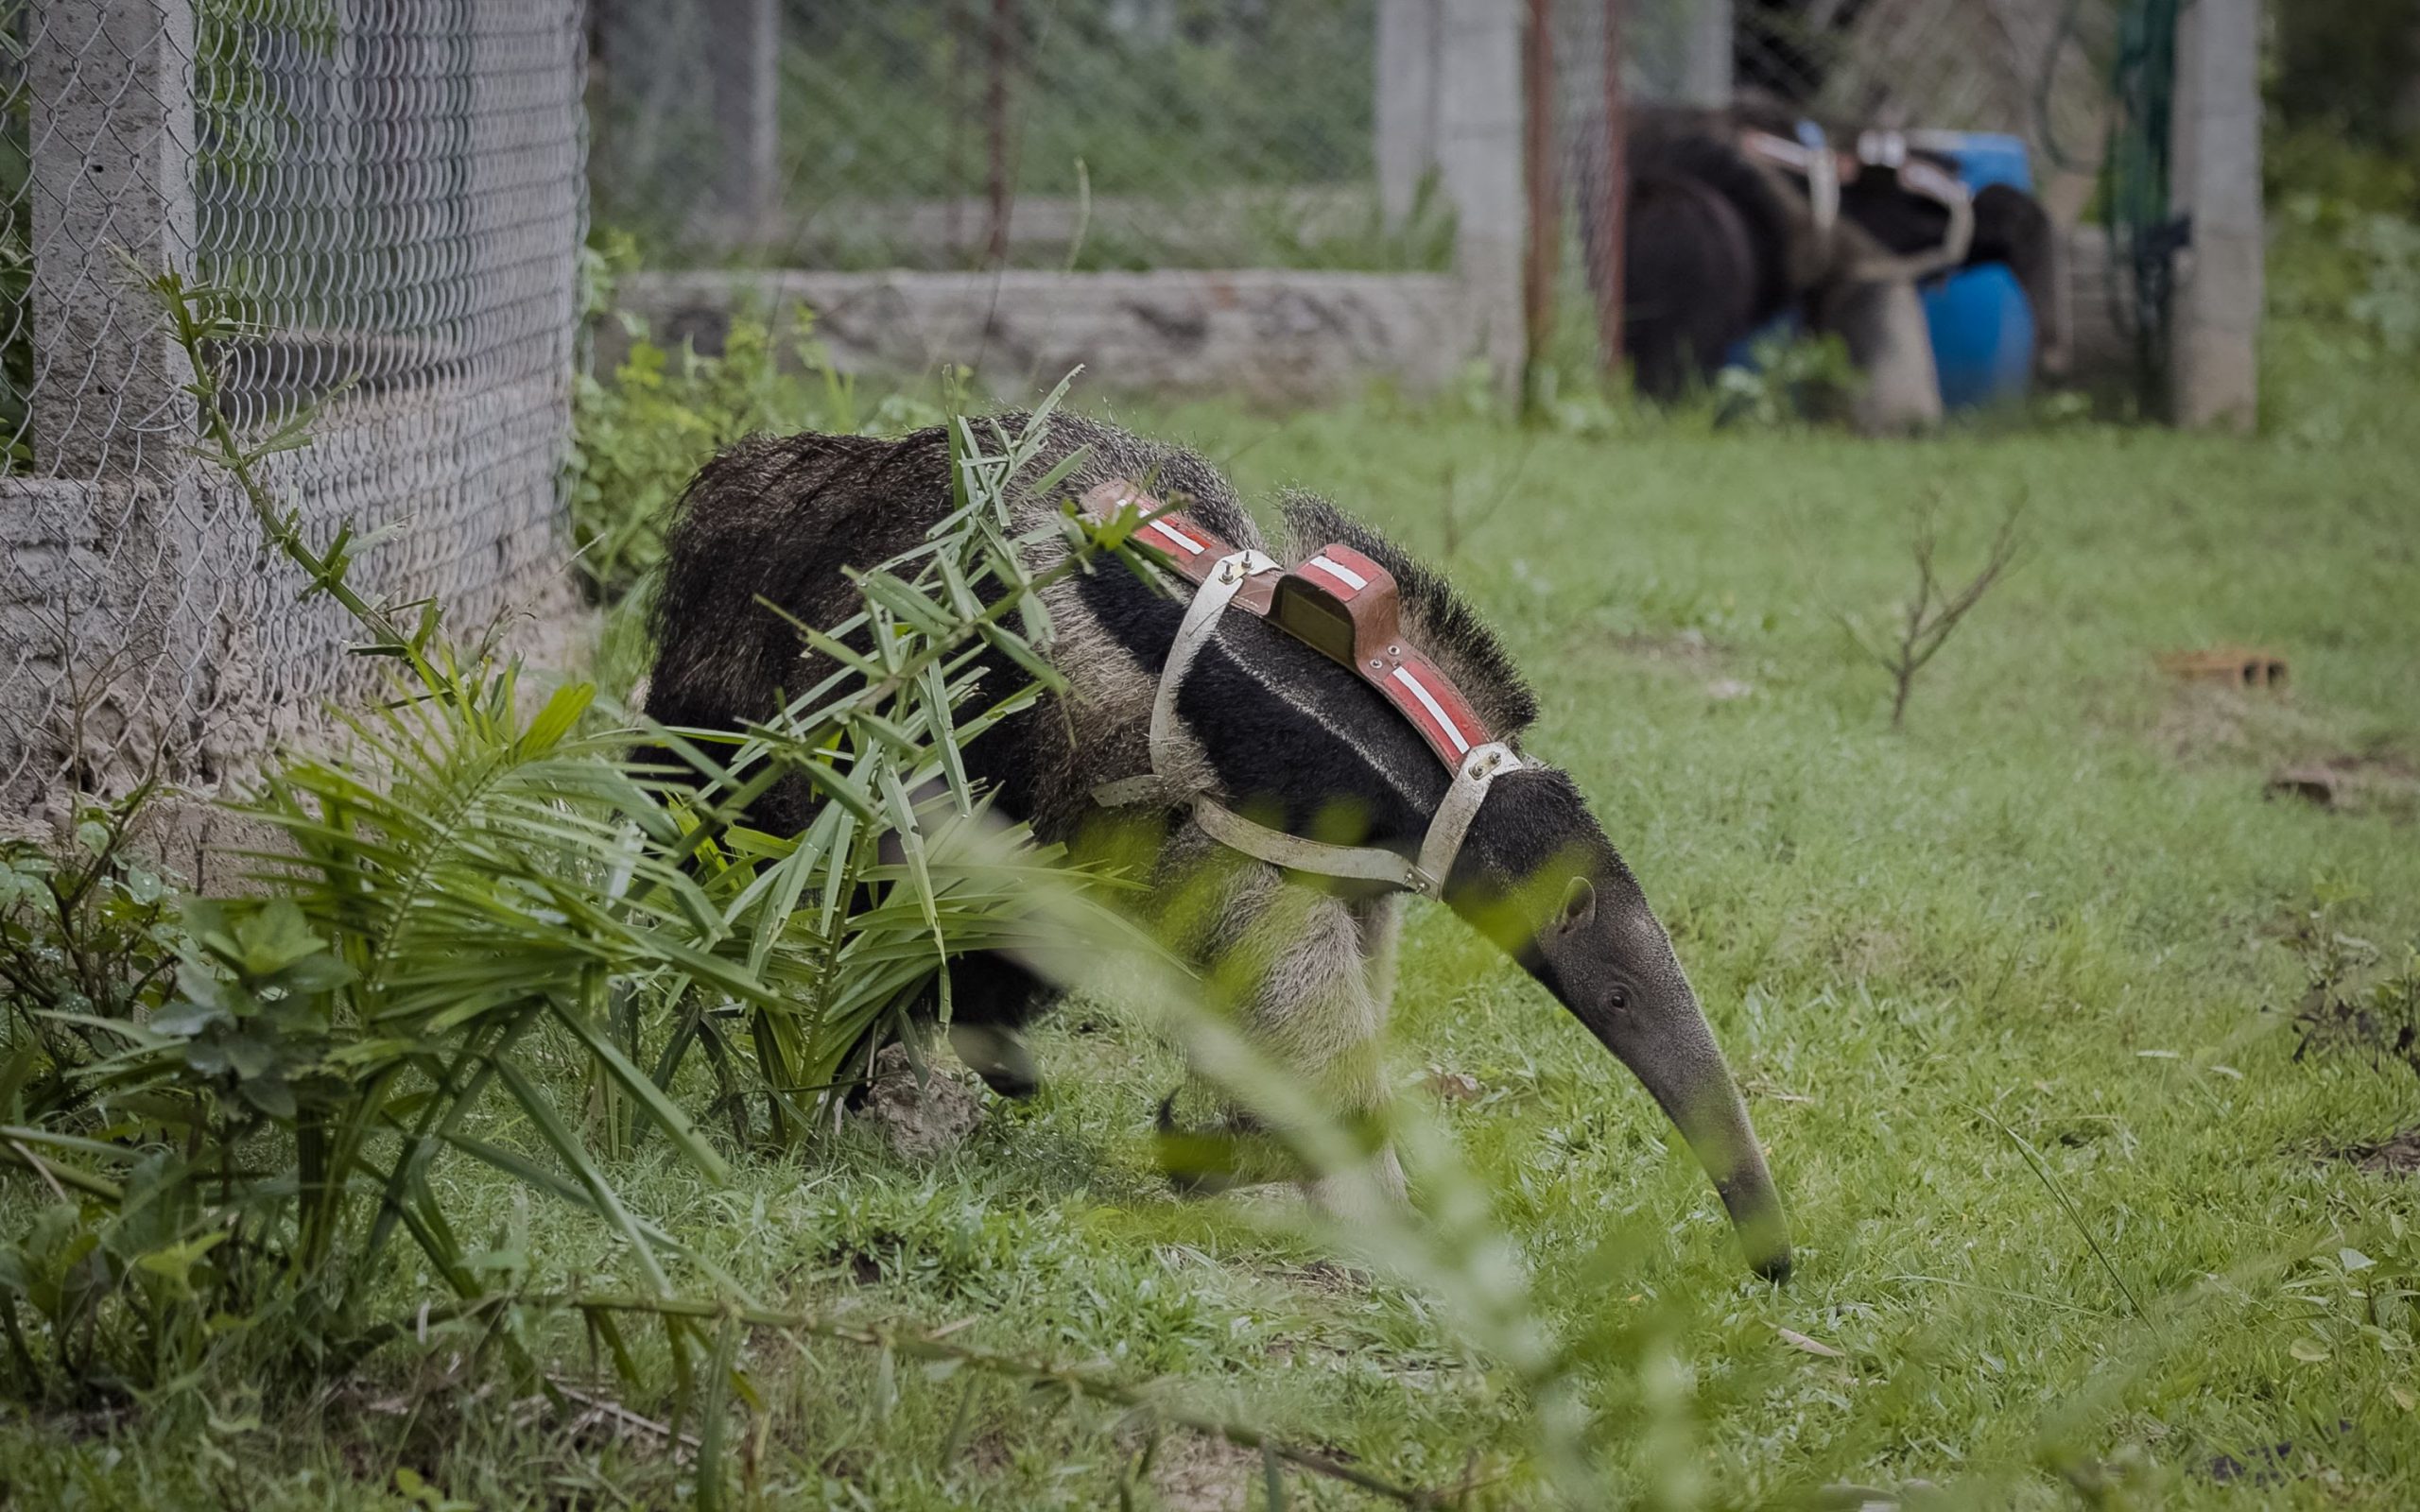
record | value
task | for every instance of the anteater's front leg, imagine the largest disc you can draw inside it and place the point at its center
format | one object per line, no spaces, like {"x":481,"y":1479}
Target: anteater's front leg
{"x":1312,"y":971}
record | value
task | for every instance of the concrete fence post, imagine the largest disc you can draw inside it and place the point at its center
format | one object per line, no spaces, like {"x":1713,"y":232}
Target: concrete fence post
{"x":1705,"y":54}
{"x":743,"y":40}
{"x":112,"y":135}
{"x":2215,"y":339}
{"x":1405,"y":122}
{"x":1449,"y":102}
{"x":1478,"y":160}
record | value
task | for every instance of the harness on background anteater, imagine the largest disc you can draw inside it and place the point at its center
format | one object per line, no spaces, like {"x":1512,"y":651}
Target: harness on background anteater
{"x":1826,"y":171}
{"x":1346,"y":606}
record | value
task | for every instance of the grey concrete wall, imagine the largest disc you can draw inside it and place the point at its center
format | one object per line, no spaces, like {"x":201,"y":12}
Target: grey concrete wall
{"x":112,"y":129}
{"x":1278,"y":336}
{"x":101,"y":657}
{"x":1207,"y":228}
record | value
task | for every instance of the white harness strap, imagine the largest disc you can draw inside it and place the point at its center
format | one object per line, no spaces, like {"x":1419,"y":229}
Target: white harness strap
{"x":1452,"y":820}
{"x":1813,"y":161}
{"x":1210,"y":601}
{"x":1360,"y":863}
{"x":1447,"y":828}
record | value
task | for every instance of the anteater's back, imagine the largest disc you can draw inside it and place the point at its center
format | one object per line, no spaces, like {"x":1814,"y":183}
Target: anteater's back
{"x":774,"y":520}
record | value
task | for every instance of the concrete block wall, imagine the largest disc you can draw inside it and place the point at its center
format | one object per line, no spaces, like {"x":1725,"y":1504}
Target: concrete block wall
{"x":1272,"y":334}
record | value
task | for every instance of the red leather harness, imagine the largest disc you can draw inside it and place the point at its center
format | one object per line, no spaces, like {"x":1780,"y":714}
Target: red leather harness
{"x":1347,"y":607}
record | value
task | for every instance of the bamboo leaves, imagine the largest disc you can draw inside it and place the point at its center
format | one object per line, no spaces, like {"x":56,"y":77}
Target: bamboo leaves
{"x":503,"y":934}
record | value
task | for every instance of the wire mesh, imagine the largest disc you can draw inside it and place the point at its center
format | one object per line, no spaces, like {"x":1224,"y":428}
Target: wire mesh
{"x":2035,"y":69}
{"x":393,"y":191}
{"x":1082,"y":134}
{"x":1089,"y":135}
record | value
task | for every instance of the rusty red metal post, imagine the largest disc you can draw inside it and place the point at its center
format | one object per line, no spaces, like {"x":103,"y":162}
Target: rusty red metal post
{"x":960,"y":110}
{"x":1614,"y":201}
{"x":1543,"y":190}
{"x":995,"y":236}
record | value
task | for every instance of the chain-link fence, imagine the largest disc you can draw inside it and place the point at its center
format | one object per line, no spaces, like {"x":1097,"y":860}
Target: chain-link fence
{"x":874,"y":149}
{"x":2035,"y":69}
{"x":1084,"y":134}
{"x":392,"y":192}
{"x":1165,"y":133}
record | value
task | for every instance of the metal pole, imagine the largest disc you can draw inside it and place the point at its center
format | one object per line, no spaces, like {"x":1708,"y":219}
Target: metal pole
{"x":960,"y":106}
{"x":1545,"y":196}
{"x":1614,"y":205}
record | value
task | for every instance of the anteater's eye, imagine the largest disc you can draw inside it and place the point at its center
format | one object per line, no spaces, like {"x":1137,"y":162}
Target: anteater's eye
{"x":1620,"y":998}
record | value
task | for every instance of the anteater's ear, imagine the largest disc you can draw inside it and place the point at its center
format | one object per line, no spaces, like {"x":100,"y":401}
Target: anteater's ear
{"x":1579,"y":906}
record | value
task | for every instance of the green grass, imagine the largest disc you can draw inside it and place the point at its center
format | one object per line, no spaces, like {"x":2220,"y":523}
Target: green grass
{"x":2042,"y":925}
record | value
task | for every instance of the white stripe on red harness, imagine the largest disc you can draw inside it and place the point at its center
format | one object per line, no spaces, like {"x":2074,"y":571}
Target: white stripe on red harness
{"x":1354,"y":582}
{"x":1428,"y":703}
{"x":1175,"y":537}
{"x":1411,"y":684}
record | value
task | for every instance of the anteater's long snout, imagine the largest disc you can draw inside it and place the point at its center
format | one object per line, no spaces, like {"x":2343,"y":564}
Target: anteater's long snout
{"x":1671,"y":1050}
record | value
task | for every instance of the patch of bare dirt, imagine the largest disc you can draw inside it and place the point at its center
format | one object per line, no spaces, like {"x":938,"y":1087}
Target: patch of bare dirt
{"x":921,"y":1120}
{"x":2306,"y":760}
{"x":2399,"y":1155}
{"x":2353,"y":784}
{"x":2209,"y":721}
{"x":1453,"y":1086}
{"x":987,"y":1454}
{"x":1192,"y":1472}
{"x":1687,"y":655}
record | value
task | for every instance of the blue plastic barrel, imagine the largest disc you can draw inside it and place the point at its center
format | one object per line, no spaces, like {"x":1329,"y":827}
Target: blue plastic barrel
{"x":1982,"y":324}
